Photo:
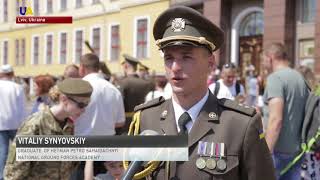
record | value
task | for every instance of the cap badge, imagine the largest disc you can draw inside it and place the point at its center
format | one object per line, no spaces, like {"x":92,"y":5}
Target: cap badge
{"x":178,"y":24}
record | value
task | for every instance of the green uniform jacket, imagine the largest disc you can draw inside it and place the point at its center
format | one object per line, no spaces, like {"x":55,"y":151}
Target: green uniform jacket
{"x":40,"y":123}
{"x":219,"y":121}
{"x":134,"y":91}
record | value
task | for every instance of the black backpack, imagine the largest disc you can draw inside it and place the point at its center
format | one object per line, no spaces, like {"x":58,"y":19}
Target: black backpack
{"x":217,"y":88}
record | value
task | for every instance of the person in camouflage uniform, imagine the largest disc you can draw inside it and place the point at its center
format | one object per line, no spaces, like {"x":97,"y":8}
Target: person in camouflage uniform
{"x":71,"y":97}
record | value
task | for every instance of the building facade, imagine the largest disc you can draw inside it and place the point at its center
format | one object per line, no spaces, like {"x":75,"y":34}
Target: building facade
{"x":251,"y":25}
{"x":112,"y":27}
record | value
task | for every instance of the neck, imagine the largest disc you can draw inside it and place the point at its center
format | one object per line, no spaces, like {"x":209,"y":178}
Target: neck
{"x":281,"y":65}
{"x":88,"y":71}
{"x":58,"y":113}
{"x":188,"y":100}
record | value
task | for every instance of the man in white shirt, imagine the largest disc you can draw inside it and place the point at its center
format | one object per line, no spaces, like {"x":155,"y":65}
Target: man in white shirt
{"x":228,"y":87}
{"x":12,"y":111}
{"x":105,"y":111}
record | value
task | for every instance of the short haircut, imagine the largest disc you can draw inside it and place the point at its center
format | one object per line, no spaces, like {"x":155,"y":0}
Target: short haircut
{"x":90,"y":61}
{"x":72,"y":66}
{"x":278,"y":50}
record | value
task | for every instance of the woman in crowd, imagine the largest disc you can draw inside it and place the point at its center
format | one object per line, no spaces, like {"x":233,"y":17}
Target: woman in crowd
{"x":42,"y":85}
{"x":310,"y":168}
{"x":70,"y":98}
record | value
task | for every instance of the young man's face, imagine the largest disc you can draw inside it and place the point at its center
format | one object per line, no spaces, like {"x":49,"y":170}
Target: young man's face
{"x":187,"y":68}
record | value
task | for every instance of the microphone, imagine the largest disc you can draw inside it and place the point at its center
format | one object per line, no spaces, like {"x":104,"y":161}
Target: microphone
{"x":135,"y":165}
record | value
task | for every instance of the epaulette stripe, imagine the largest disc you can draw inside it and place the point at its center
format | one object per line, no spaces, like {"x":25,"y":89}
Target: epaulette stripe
{"x":237,"y":107}
{"x":148,"y":104}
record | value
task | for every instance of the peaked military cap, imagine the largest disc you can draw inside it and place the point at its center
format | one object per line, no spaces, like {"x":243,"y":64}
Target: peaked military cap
{"x":129,"y":59}
{"x":142,"y":67}
{"x":75,"y":87}
{"x":184,"y":26}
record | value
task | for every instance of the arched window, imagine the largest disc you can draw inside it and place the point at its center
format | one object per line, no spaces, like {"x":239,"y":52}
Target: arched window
{"x":252,"y":24}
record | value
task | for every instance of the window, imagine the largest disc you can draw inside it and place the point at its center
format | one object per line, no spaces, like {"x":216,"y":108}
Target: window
{"x":78,"y":45}
{"x":142,"y":38}
{"x":96,"y":41}
{"x":23,"y":52}
{"x":49,"y":49}
{"x":78,"y":3}
{"x":35,"y":50}
{"x":95,"y":1}
{"x":49,"y":6}
{"x":5,"y":52}
{"x":18,"y":7}
{"x":17,"y":51}
{"x":5,"y":10}
{"x":252,"y":24}
{"x":63,"y":48}
{"x":115,"y":43}
{"x":36,"y":7}
{"x":308,"y":11}
{"x":63,"y":5}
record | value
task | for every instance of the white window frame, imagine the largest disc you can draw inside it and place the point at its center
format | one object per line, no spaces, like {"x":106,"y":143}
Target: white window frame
{"x":59,"y":46}
{"x":32,"y":49}
{"x":110,"y":37}
{"x":136,"y":19}
{"x":74,"y":40}
{"x":45,"y":48}
{"x":100,"y":55}
{"x":2,"y":52}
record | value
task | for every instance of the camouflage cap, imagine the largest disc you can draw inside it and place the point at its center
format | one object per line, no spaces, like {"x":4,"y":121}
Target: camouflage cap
{"x":142,"y":67}
{"x":129,"y":59}
{"x":75,"y":87}
{"x":184,"y":26}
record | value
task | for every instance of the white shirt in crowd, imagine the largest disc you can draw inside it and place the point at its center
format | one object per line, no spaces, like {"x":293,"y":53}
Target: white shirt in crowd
{"x":104,"y":110}
{"x":154,"y":94}
{"x":225,"y":91}
{"x":12,"y":100}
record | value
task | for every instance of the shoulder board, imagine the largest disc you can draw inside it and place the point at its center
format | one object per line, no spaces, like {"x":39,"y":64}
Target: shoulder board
{"x":149,"y":104}
{"x":244,"y":109}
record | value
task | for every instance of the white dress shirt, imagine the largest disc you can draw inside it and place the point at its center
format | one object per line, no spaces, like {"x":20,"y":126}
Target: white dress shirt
{"x":104,"y":110}
{"x":12,"y":109}
{"x":193,"y":111}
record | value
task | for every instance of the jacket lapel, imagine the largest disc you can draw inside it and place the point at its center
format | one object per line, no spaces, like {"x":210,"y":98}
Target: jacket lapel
{"x":208,"y":116}
{"x":167,"y":119}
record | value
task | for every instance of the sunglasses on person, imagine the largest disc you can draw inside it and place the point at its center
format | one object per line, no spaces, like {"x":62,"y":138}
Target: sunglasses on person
{"x":229,"y":65}
{"x":80,"y":105}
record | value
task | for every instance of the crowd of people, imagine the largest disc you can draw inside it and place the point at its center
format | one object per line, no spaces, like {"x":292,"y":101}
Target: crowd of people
{"x":256,"y":116}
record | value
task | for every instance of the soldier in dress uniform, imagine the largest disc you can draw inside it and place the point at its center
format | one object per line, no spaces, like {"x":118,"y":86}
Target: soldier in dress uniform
{"x":225,"y":138}
{"x":133,"y":88}
{"x":71,"y":97}
{"x":143,"y":71}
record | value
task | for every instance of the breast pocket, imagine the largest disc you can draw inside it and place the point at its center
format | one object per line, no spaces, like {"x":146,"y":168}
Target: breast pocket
{"x":231,"y":170}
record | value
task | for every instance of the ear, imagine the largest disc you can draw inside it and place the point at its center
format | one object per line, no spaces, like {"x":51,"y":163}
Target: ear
{"x":63,"y":99}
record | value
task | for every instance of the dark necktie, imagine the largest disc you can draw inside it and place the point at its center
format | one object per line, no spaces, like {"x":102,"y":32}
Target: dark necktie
{"x":183,"y":120}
